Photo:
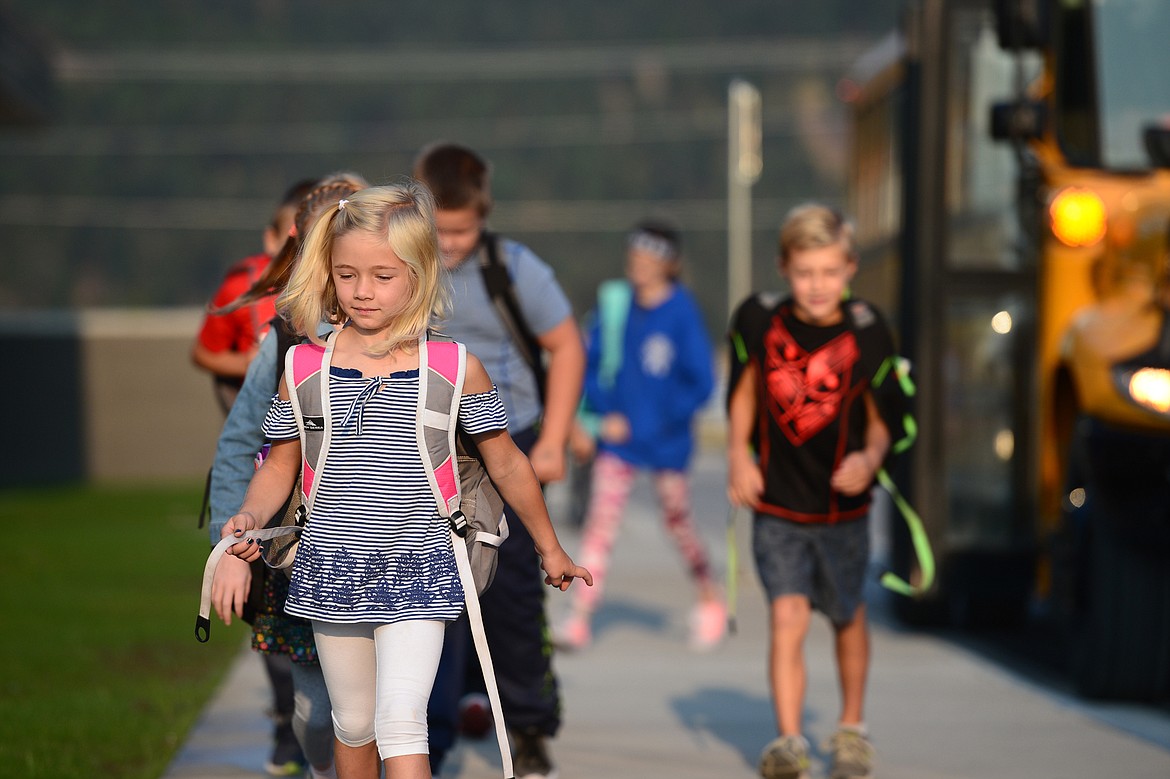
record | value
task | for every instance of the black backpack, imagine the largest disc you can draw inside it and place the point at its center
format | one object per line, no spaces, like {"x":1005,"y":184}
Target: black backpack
{"x":503,"y":295}
{"x":285,"y":339}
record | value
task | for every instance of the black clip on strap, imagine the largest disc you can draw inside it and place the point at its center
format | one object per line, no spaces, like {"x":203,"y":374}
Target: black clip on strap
{"x":202,"y":629}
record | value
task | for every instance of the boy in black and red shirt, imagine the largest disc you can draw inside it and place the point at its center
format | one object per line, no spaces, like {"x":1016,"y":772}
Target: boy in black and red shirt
{"x":805,"y":441}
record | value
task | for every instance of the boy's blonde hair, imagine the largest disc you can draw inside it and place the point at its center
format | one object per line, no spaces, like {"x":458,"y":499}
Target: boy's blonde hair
{"x":403,"y":215}
{"x":815,"y":226}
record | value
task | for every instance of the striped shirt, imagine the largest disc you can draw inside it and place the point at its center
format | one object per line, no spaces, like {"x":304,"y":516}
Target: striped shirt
{"x":375,"y":548}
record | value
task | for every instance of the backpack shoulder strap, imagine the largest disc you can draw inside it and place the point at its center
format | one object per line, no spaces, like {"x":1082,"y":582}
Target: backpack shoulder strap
{"x":503,"y":296}
{"x":285,"y":339}
{"x":441,"y":368}
{"x":892,"y":384}
{"x":307,"y":377}
{"x":748,"y":321}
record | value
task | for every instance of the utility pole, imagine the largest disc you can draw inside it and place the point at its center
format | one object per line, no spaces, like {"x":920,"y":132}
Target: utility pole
{"x":744,"y":163}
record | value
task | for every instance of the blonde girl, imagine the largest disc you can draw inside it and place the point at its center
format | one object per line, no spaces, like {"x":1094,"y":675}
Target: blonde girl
{"x":375,"y":571}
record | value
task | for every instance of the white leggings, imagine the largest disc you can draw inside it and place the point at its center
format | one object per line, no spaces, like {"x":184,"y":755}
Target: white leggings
{"x":379,"y":678}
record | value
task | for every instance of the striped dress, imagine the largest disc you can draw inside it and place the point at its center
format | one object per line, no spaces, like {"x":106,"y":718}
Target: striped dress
{"x":375,"y":548}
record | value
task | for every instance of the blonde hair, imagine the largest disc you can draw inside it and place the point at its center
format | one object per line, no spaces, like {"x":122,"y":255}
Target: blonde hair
{"x":403,"y":215}
{"x":815,"y":226}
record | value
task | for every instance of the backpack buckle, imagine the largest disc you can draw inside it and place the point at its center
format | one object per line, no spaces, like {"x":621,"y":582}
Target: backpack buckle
{"x":459,"y":523}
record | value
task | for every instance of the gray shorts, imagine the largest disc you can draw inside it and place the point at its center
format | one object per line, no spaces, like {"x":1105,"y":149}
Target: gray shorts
{"x":825,"y":563}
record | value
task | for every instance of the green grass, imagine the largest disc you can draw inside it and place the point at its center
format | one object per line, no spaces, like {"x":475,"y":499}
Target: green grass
{"x":100,"y":672}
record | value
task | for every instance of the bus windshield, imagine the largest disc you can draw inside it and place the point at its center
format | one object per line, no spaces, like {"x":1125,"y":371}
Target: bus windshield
{"x":1133,"y":76}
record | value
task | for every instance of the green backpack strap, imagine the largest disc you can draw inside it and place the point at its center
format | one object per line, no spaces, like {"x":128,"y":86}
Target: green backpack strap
{"x":918,"y":538}
{"x":732,"y":589}
{"x":892,"y":388}
{"x":899,"y":368}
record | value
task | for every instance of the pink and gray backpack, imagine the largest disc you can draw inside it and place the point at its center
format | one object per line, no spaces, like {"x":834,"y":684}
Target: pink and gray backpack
{"x":464,"y":493}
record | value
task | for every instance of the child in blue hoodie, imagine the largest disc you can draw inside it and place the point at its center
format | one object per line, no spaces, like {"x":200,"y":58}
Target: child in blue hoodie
{"x":648,"y":372}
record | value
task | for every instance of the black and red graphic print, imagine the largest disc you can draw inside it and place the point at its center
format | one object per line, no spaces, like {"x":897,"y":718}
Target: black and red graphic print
{"x":806,"y":390}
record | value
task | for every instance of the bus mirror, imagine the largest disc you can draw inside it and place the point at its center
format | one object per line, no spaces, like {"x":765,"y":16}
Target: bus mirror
{"x":1157,"y":139}
{"x":1018,"y":120}
{"x":1021,"y":24}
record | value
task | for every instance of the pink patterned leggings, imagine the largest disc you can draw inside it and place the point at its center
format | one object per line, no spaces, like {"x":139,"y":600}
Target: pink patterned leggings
{"x":613,"y":479}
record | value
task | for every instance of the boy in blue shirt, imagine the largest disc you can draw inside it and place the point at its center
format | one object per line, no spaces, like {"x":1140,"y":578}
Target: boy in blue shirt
{"x":539,"y":421}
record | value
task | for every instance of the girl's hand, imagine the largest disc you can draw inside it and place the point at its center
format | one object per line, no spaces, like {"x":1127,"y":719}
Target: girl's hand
{"x":560,"y":570}
{"x":854,"y":473}
{"x":615,"y":429}
{"x":238,"y":525}
{"x":229,"y":588}
{"x":244,"y":520}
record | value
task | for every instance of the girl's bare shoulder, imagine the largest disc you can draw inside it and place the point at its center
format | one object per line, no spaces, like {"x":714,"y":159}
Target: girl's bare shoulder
{"x":477,"y":379}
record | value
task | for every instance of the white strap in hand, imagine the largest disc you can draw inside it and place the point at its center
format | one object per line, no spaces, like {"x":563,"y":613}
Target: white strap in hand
{"x":203,"y":621}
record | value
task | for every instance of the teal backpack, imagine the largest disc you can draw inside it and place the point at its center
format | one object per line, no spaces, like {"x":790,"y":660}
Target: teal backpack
{"x":613,"y":309}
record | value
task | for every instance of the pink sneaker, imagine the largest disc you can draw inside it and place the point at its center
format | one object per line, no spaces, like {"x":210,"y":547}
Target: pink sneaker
{"x":708,"y":624}
{"x":573,"y":634}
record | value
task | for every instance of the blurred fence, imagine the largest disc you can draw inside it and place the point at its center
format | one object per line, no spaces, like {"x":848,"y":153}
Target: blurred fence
{"x":104,"y":396}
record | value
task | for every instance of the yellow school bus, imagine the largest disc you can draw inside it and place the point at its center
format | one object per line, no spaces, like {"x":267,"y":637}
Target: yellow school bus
{"x":1010,"y":185}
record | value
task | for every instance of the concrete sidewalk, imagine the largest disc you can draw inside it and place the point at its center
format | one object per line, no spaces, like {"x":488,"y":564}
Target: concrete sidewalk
{"x":640,"y":704}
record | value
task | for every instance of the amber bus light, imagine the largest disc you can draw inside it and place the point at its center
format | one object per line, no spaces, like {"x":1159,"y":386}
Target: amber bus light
{"x":1078,"y":217}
